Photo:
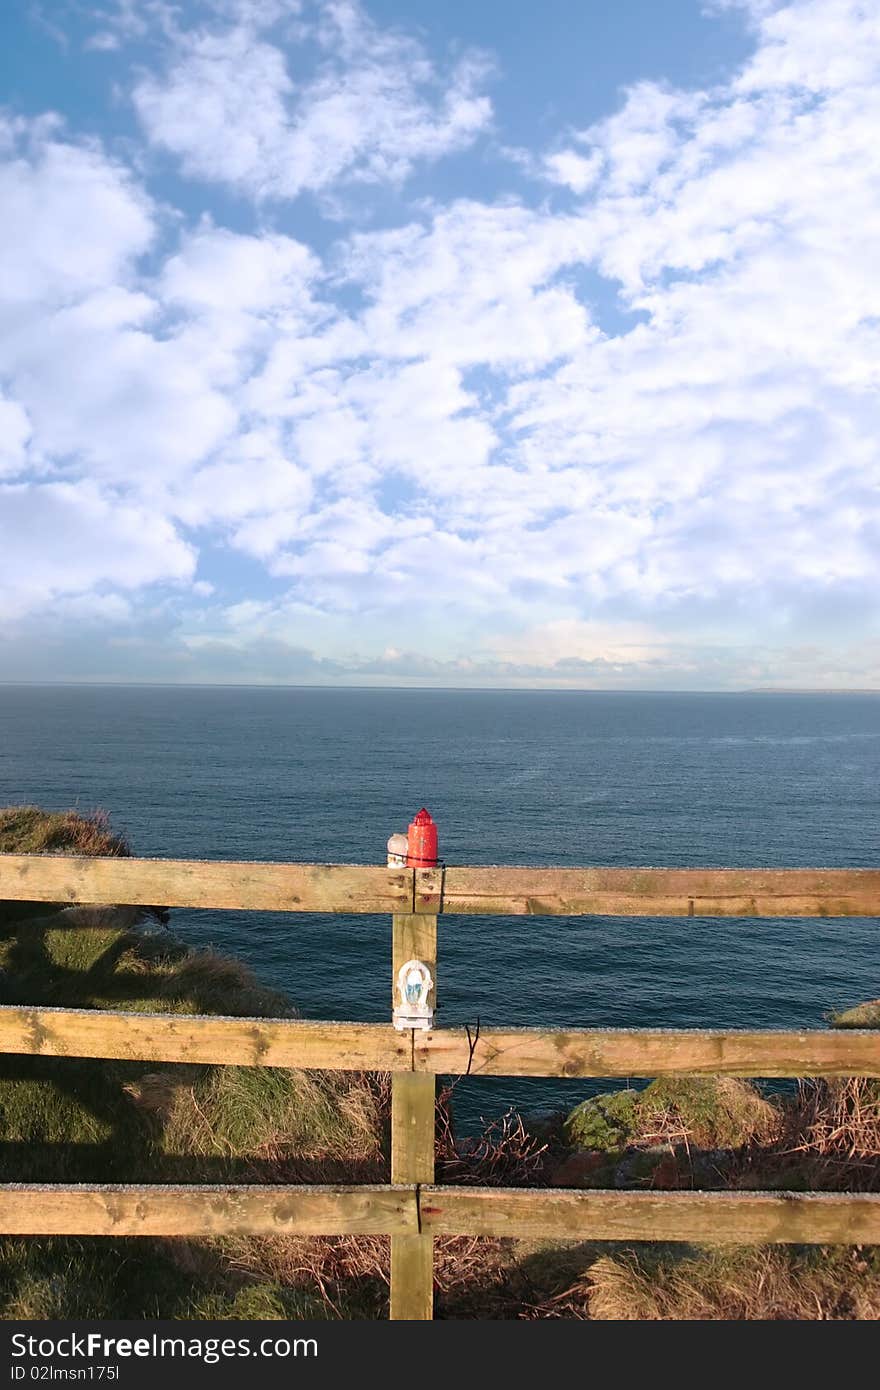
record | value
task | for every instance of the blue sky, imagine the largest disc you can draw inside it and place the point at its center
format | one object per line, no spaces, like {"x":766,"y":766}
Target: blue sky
{"x":462,"y":344}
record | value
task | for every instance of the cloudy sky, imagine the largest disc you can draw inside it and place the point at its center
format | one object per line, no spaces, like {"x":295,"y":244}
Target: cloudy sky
{"x":474,"y":343}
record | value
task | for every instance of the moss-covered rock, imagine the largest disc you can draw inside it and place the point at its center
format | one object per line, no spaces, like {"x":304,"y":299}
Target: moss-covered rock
{"x":714,"y":1112}
{"x":708,"y":1112}
{"x":608,"y":1122}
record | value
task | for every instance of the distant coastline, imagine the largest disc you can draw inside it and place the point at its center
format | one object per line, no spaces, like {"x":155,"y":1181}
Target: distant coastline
{"x":811,"y":690}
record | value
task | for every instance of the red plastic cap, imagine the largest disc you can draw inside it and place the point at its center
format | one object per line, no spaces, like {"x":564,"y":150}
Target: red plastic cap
{"x":421,"y":841}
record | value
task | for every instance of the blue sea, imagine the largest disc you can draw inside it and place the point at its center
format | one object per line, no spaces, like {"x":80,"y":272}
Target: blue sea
{"x":515,"y":777}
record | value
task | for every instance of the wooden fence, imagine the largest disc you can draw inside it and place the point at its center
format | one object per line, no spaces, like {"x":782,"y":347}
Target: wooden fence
{"x":412,"y":1209}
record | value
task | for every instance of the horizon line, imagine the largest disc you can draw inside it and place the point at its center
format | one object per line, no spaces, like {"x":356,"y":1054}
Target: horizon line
{"x":476,"y":689}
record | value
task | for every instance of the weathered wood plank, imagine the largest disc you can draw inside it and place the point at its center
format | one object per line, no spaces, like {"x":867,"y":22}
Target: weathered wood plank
{"x":412,"y":1127}
{"x":412,"y":1278}
{"x":52,"y":1032}
{"x":702,"y":1217}
{"x":648,"y":892}
{"x":428,"y":890}
{"x":414,"y":937}
{"x":364,"y":888}
{"x":649,"y":1052}
{"x":117,"y":1210}
{"x":183,"y":1038}
{"x":350,"y":888}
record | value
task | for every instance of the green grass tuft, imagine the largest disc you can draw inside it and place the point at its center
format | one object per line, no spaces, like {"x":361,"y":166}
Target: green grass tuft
{"x":865,"y":1015}
{"x":96,"y":1278}
{"x":28,"y":830}
{"x":262,"y":1302}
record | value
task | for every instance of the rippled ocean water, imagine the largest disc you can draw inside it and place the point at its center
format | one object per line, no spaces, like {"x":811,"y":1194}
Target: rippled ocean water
{"x":517,"y":777}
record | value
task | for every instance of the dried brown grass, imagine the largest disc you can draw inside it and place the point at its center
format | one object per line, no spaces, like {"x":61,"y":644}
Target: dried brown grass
{"x":504,"y":1154}
{"x":472,"y":1275}
{"x":833,"y":1133}
{"x":753,"y":1284}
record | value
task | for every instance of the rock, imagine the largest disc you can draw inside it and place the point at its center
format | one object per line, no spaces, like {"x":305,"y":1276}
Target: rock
{"x":582,"y":1169}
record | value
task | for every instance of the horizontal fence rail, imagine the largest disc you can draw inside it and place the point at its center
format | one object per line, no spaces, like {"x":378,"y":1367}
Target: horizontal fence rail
{"x":571,"y":1052}
{"x":478,"y":890}
{"x":204,"y":1038}
{"x":62,"y":878}
{"x":661,"y":892}
{"x":703,"y":1217}
{"x":412,"y":1209}
{"x":631,"y":1052}
{"x":562,"y":1214}
{"x":112,"y":1209}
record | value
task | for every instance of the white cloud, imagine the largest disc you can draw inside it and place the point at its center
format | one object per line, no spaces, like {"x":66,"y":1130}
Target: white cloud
{"x":719,"y":447}
{"x":126,"y":380}
{"x":576,"y":171}
{"x":474,"y":288}
{"x":251,"y":477}
{"x":103,"y":41}
{"x":153,"y":415}
{"x":66,"y":538}
{"x":14,"y":434}
{"x":227,"y":273}
{"x":73,"y":220}
{"x":816,"y":45}
{"x":229,"y":108}
{"x":79,"y":348}
{"x":571,"y":640}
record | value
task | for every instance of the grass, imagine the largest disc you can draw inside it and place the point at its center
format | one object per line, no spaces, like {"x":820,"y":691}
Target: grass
{"x":748,"y":1283}
{"x":137,"y":1278}
{"x":29,"y":830}
{"x":604,"y":1124}
{"x":87,"y":957}
{"x":724,"y":1133}
{"x":98,"y":1120}
{"x":865,"y":1015}
{"x":64,"y":1119}
{"x":247,"y":1123}
{"x":833,"y":1133}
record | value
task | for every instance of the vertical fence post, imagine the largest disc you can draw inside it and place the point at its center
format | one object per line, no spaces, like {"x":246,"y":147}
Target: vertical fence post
{"x":414,"y":937}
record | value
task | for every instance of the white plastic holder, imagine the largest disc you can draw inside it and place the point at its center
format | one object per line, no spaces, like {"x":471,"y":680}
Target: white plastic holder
{"x":397,"y":851}
{"x":414,"y":984}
